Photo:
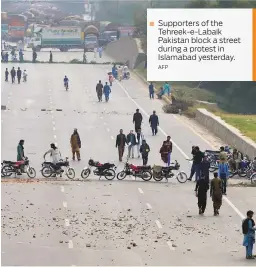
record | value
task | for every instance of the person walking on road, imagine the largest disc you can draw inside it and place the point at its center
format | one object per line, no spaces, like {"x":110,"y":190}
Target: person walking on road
{"x":20,"y":151}
{"x":100,"y":50}
{"x":201,"y":189}
{"x":223,"y":174}
{"x":198,"y":157}
{"x":120,"y":144}
{"x":19,"y":75}
{"x":137,"y":120}
{"x":13,"y":74}
{"x":106,"y":91}
{"x":205,"y":169}
{"x":192,"y":170}
{"x":75,"y":142}
{"x":154,"y":122}
{"x":169,"y":149}
{"x":248,"y":227}
{"x":151,"y":91}
{"x":139,"y":138}
{"x":216,"y":193}
{"x":6,"y":75}
{"x":164,"y":152}
{"x":144,"y":150}
{"x":50,"y":59}
{"x":99,"y":91}
{"x":131,"y":140}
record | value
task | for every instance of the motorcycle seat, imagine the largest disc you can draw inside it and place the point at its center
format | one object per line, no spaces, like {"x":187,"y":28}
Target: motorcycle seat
{"x":9,"y":162}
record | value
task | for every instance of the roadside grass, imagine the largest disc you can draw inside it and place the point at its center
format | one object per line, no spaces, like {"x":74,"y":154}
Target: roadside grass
{"x":188,"y":91}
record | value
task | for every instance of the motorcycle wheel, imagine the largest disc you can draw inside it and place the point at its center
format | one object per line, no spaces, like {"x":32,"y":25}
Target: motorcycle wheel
{"x":121,"y":175}
{"x":46,"y":172}
{"x":70,"y":173}
{"x":7,"y":171}
{"x":158,"y":178}
{"x":85,"y":173}
{"x":109,"y":174}
{"x":182,"y":177}
{"x":232,"y":174}
{"x":242,"y":173}
{"x":253,"y":178}
{"x":146,"y":175}
{"x":213,"y":167}
{"x":31,"y":172}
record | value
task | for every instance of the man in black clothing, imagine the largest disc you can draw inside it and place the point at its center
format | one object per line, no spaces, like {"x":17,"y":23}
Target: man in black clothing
{"x":137,"y":120}
{"x":201,"y":189}
{"x":154,"y":122}
{"x":50,"y":59}
{"x":99,"y":90}
{"x":13,"y":74}
{"x":19,"y":75}
{"x":205,"y":169}
{"x":198,"y":157}
{"x":120,"y":144}
{"x":6,"y":74}
{"x":144,"y":150}
{"x":192,"y":171}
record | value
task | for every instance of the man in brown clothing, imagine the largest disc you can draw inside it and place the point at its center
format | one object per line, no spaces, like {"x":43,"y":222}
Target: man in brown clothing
{"x":75,"y":144}
{"x":120,"y":144}
{"x":216,"y":193}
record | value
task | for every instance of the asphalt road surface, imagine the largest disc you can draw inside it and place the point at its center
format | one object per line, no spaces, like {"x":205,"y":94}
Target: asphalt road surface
{"x":103,"y":222}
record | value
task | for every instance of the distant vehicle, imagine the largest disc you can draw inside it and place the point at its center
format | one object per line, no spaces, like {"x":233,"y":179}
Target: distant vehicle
{"x":17,"y":26}
{"x":63,"y":38}
{"x":91,"y":35}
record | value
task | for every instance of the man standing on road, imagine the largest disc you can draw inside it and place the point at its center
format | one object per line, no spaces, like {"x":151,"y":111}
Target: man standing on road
{"x":144,"y":150}
{"x":50,"y":59}
{"x":19,"y":75}
{"x":201,"y":189}
{"x":168,"y":144}
{"x":20,"y":151}
{"x":13,"y":74}
{"x":75,"y":142}
{"x":192,"y":171}
{"x":248,"y":227}
{"x":106,"y":91}
{"x":131,"y":140}
{"x":198,"y":157}
{"x":120,"y":144}
{"x":6,"y":75}
{"x":151,"y":91}
{"x":216,"y":193}
{"x":223,"y":174}
{"x":154,"y":122}
{"x":139,"y":138}
{"x":99,"y":90}
{"x":137,"y":120}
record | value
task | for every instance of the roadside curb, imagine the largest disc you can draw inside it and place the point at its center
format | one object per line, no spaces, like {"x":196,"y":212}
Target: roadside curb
{"x":164,"y":98}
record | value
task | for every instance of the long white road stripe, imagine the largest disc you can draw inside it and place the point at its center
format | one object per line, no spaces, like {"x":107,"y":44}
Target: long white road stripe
{"x":67,"y":222}
{"x":240,"y":214}
{"x":70,"y":244}
{"x":108,"y":129}
{"x":65,"y":204}
{"x":62,"y":188}
{"x":112,"y":137}
{"x":169,"y":243}
{"x":149,"y":206}
{"x":159,"y":225}
{"x":140,"y":190}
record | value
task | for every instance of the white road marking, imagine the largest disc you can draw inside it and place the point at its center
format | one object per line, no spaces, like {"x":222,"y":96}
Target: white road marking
{"x":55,"y":137}
{"x":140,"y":190}
{"x":149,"y":206}
{"x":65,"y":204}
{"x":101,"y":117}
{"x":54,"y":129}
{"x":108,"y":129}
{"x":70,"y":244}
{"x":180,"y":150}
{"x":112,"y":137}
{"x":56,"y":144}
{"x":62,"y":188}
{"x":53,"y":122}
{"x":105,"y":123}
{"x":169,"y":243}
{"x":159,"y":225}
{"x":51,"y":111}
{"x":67,"y":222}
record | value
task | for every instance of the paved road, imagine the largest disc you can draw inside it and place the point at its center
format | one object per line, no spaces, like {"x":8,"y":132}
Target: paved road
{"x":102,"y":222}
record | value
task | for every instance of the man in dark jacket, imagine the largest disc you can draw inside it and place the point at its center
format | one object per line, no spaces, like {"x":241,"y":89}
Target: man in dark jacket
{"x":13,"y":74}
{"x":19,"y":75}
{"x":144,"y":150}
{"x":168,"y":144}
{"x":99,"y":90}
{"x":120,"y":144}
{"x":198,"y":157}
{"x":151,"y":90}
{"x":202,"y":186}
{"x":137,"y":120}
{"x":50,"y":59}
{"x":205,"y":169}
{"x":131,"y":140}
{"x":192,"y":171}
{"x":6,"y":74}
{"x":154,"y":122}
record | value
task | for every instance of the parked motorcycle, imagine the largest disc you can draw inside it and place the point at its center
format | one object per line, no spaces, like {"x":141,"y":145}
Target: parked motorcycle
{"x":143,"y":172}
{"x":108,"y":170}
{"x":17,"y":168}
{"x":160,"y":172}
{"x":50,"y":169}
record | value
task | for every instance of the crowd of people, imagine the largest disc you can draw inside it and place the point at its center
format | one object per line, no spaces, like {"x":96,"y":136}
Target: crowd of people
{"x":163,"y":90}
{"x":15,"y":74}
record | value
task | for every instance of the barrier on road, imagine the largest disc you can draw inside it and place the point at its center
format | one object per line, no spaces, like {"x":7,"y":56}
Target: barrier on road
{"x":227,"y":133}
{"x":126,"y":49}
